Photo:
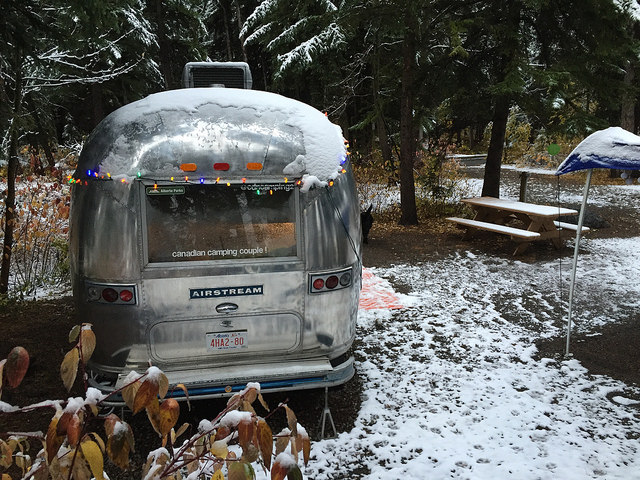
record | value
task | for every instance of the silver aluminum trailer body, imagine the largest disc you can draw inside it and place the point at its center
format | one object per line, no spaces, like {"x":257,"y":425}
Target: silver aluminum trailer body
{"x":205,"y":241}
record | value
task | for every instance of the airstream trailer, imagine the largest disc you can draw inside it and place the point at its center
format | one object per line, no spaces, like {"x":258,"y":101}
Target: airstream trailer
{"x":215,"y":234}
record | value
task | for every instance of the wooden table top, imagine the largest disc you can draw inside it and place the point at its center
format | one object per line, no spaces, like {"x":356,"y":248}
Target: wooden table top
{"x":520,"y":207}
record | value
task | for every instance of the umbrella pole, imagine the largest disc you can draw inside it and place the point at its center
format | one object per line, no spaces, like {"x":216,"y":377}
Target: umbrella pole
{"x":572,"y":285}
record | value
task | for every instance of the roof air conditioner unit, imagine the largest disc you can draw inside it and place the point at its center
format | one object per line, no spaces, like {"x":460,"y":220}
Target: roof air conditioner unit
{"x":216,"y":74}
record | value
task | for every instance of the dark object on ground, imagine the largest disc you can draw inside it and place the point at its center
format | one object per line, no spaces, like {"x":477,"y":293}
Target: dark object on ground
{"x":366,"y":219}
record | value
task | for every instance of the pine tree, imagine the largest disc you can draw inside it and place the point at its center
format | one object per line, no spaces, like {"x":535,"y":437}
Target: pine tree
{"x":53,"y":54}
{"x":541,"y":55}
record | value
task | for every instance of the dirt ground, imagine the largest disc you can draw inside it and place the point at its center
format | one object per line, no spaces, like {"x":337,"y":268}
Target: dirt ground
{"x":42,"y":327}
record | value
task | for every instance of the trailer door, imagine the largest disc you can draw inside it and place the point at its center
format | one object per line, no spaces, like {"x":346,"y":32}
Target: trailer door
{"x":224,"y":275}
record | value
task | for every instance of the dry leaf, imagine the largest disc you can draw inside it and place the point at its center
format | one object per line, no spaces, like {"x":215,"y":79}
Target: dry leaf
{"x":219,"y":449}
{"x":74,"y":430}
{"x":241,"y":471}
{"x":278,"y":472}
{"x":250,"y":395}
{"x":6,"y":454}
{"x":73,"y":334}
{"x":222,"y":432}
{"x":110,"y":423}
{"x":168,"y":415}
{"x":63,"y":422}
{"x":294,"y":472}
{"x":80,"y":468}
{"x":98,"y":440}
{"x":129,"y":394}
{"x":262,"y":402}
{"x":69,"y":368}
{"x":93,"y":454}
{"x":186,"y":393}
{"x":2,"y":362}
{"x":250,"y":454}
{"x":153,"y":414}
{"x":245,"y":432}
{"x":163,"y":385}
{"x":265,"y":442}
{"x":16,"y":366}
{"x":284,"y":466}
{"x":234,"y":401}
{"x":147,"y":392}
{"x":306,"y":448}
{"x":218,"y":475}
{"x":246,"y":407}
{"x":303,"y":444}
{"x":119,"y":444}
{"x":53,"y":441}
{"x":292,"y":421}
{"x":87,"y":342}
{"x":281,"y":444}
{"x":181,"y":430}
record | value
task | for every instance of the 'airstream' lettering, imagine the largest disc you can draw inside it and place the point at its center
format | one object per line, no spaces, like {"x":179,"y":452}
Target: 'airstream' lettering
{"x":225,"y":291}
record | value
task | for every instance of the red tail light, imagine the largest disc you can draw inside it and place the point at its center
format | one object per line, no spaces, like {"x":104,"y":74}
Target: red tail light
{"x":112,"y":294}
{"x":109,"y":295}
{"x":330,"y":281}
{"x":126,"y":296}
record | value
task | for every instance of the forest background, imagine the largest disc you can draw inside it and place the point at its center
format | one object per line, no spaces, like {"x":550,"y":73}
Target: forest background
{"x":409,"y":81}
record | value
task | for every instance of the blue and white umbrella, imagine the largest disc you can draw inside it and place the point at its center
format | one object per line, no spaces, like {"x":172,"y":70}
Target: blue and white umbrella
{"x":613,"y":148}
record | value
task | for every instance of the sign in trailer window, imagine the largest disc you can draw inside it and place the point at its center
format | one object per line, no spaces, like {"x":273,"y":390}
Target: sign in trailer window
{"x":217,"y":222}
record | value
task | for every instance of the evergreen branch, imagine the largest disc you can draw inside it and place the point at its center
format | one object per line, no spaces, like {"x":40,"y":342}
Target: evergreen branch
{"x":96,"y":77}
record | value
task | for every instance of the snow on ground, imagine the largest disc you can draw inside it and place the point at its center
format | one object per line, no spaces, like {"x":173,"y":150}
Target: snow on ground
{"x":451,"y":386}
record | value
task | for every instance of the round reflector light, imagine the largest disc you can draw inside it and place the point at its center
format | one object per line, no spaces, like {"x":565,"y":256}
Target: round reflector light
{"x":109,"y":295}
{"x":93,"y":293}
{"x":332,"y":282}
{"x":126,"y":295}
{"x":345,"y":279}
{"x":318,"y":283}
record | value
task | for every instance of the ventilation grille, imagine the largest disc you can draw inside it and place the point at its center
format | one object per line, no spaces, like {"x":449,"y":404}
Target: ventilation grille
{"x":216,"y":74}
{"x":215,"y":77}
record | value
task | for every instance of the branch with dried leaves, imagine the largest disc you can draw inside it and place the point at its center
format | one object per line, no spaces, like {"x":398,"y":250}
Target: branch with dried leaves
{"x":223,"y":448}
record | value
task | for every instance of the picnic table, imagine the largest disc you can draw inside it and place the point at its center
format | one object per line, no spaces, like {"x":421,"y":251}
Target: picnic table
{"x":539,"y":222}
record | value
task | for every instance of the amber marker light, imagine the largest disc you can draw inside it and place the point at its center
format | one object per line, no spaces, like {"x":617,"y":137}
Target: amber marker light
{"x":188,"y":167}
{"x":254,"y":166}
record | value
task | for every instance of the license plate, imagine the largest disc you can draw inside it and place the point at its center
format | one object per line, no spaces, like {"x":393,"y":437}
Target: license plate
{"x":221,"y":341}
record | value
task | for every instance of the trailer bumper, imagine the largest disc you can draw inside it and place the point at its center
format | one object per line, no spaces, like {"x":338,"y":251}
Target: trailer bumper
{"x":225,"y":381}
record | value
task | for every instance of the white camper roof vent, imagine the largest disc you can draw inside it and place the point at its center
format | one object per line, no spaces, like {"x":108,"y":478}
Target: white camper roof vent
{"x":217,"y":74}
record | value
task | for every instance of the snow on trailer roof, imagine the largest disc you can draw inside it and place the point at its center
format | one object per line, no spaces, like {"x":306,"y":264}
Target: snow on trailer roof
{"x":219,"y":132}
{"x":612,"y":147}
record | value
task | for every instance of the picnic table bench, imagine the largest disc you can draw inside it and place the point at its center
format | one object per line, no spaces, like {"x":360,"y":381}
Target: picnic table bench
{"x":539,"y":221}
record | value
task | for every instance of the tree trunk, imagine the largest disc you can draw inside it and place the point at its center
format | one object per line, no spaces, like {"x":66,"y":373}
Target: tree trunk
{"x":12,"y":169}
{"x":226,"y":12}
{"x":491,"y":184}
{"x":409,"y":214}
{"x":240,"y":22}
{"x":627,"y":115}
{"x":381,"y":129}
{"x":383,"y":140}
{"x":163,"y":44}
{"x":97,"y":110}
